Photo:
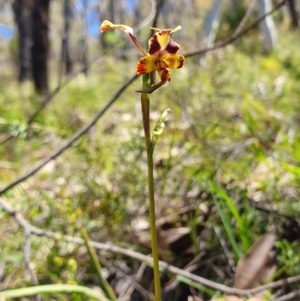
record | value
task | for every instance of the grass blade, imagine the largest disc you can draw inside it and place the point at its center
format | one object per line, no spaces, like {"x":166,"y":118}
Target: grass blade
{"x":52,"y":289}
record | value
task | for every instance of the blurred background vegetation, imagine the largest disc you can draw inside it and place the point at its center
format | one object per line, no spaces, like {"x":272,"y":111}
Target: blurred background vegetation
{"x":227,"y":166}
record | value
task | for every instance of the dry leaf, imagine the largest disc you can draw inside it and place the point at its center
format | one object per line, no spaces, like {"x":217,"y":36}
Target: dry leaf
{"x":175,"y":240}
{"x":173,"y":232}
{"x":258,"y":264}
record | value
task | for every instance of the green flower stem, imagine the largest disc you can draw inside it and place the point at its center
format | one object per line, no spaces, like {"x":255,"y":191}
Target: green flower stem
{"x":102,"y":281}
{"x":145,"y":101}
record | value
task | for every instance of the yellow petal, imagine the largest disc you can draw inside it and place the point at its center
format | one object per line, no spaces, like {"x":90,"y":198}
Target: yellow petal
{"x":146,"y":64}
{"x":176,"y":28}
{"x":172,"y":30}
{"x":106,"y":25}
{"x":174,"y":61}
{"x":159,"y":41}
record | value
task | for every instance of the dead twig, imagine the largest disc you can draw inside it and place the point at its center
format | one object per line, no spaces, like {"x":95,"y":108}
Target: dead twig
{"x":148,"y":19}
{"x":245,"y":18}
{"x":289,"y":296}
{"x":28,"y":265}
{"x":135,"y":285}
{"x":227,"y":253}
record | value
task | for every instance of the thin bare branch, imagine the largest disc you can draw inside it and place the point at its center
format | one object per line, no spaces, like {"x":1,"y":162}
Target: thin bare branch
{"x":227,"y":253}
{"x":148,"y":19}
{"x":27,"y":252}
{"x":28,"y":265}
{"x":289,"y":296}
{"x":245,"y":18}
{"x":233,"y":38}
{"x":134,"y":285}
{"x":159,"y":5}
{"x":132,"y":280}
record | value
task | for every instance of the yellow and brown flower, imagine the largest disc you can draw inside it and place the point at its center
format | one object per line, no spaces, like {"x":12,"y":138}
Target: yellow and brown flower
{"x":162,"y":53}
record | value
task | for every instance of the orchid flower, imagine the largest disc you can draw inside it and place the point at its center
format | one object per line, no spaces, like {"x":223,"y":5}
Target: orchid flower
{"x":161,"y":56}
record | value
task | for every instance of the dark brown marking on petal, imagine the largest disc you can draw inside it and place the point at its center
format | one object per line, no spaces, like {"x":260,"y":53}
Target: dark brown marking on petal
{"x":165,"y":75}
{"x":181,"y":62}
{"x":172,"y":47}
{"x":154,"y":46}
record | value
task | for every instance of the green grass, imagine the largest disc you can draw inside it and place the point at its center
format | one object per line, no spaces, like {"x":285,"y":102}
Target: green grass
{"x":232,"y":139}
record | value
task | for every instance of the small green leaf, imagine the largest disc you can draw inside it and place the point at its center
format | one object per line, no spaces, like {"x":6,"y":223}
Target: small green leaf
{"x":158,"y":129}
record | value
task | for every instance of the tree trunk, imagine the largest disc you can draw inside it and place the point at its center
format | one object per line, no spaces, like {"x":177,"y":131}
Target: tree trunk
{"x":22,"y":11}
{"x":236,"y":3}
{"x":267,"y":26}
{"x":66,"y":56}
{"x":293,"y":13}
{"x":84,"y":46}
{"x":65,"y":63}
{"x":212,"y":22}
{"x":102,"y":11}
{"x":112,"y":12}
{"x":40,"y":45}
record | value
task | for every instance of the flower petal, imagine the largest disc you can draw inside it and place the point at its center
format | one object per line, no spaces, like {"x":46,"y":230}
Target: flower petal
{"x":146,"y":64}
{"x":164,"y":74}
{"x":106,"y":25}
{"x":176,"y":28}
{"x":159,"y":41}
{"x":174,"y":61}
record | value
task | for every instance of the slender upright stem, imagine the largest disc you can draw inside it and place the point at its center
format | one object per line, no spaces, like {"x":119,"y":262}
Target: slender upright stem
{"x":97,"y":265}
{"x":145,"y":101}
